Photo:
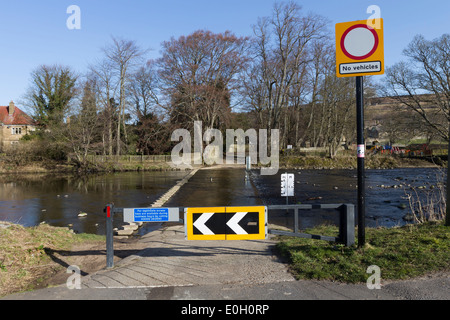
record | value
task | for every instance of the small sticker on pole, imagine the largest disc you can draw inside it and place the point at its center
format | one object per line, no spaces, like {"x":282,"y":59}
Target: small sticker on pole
{"x":361,"y":151}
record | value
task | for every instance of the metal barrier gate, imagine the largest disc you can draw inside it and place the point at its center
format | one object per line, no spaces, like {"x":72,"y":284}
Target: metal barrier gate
{"x":346,"y":223}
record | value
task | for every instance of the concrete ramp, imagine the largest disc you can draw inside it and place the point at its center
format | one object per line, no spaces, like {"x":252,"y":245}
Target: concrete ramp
{"x":170,"y":260}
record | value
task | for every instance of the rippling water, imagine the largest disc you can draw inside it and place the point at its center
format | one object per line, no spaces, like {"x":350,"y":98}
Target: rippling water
{"x":386,"y":202}
{"x":57,"y":200}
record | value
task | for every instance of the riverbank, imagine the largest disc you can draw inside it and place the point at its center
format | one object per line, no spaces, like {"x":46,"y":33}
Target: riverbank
{"x":37,"y":257}
{"x":348,"y":162}
{"x":401,"y":253}
{"x":62,"y":167}
{"x":285,"y":162}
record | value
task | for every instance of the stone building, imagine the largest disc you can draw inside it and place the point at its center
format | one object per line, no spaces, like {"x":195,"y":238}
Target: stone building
{"x":14,"y":124}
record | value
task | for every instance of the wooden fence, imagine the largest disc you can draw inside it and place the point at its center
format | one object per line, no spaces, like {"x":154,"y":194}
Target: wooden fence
{"x":195,"y":157}
{"x":127,"y":158}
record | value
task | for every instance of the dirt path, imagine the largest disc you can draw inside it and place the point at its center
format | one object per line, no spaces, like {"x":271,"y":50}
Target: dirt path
{"x":90,"y":258}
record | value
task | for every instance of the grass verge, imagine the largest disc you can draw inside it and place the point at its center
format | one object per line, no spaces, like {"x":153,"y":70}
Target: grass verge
{"x":350,"y":162}
{"x":26,"y":254}
{"x":53,"y":166}
{"x":401,"y":253}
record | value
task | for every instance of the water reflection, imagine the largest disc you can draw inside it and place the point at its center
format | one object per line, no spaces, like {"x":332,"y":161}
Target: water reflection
{"x":217,"y":187}
{"x":57,"y":200}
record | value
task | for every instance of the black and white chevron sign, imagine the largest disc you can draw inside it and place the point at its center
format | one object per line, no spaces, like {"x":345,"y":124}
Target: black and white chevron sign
{"x":211,"y":223}
{"x":226,"y":223}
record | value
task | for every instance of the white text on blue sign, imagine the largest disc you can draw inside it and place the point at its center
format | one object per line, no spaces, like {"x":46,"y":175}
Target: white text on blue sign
{"x":151,"y":215}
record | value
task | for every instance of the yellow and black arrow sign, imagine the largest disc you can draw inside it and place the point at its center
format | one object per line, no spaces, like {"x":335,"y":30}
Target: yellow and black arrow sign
{"x":226,"y":223}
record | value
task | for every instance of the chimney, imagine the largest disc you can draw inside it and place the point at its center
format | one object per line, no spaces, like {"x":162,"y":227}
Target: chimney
{"x":11,"y":108}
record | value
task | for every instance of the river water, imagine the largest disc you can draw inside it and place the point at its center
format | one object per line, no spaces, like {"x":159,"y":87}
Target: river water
{"x":57,"y":200}
{"x":386,"y":192}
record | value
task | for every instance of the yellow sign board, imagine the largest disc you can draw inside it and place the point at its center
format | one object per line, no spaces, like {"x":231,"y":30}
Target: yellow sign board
{"x":226,"y":223}
{"x":359,"y":48}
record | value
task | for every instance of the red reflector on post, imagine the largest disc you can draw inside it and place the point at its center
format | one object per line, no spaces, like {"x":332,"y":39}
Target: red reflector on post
{"x":108,"y":212}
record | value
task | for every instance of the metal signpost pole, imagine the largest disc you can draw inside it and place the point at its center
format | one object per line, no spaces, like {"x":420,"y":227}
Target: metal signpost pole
{"x":287,"y":189}
{"x":361,"y":156}
{"x":360,"y":52}
{"x":109,"y":236}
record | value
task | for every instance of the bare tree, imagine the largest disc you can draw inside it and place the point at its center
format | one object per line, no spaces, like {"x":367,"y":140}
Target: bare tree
{"x":305,"y":92}
{"x":151,"y":131}
{"x":123,"y":56}
{"x":422,"y":83}
{"x":280,"y":49}
{"x":198,"y":75}
{"x":143,"y":90}
{"x":105,"y":88}
{"x":338,"y":99}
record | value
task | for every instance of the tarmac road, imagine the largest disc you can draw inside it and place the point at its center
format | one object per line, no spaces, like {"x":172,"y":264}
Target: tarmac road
{"x":171,"y":269}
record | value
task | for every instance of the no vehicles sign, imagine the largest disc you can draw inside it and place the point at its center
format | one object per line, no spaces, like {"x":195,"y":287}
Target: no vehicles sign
{"x":359,"y":49}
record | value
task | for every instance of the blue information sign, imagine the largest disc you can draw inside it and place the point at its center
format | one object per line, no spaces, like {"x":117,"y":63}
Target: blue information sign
{"x":151,"y":215}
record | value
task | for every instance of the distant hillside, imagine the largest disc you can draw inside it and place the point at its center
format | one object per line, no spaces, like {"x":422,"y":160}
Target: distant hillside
{"x":389,"y":119}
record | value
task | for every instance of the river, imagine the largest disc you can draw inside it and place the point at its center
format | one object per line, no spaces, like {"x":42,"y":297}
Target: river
{"x":386,"y":192}
{"x":31,"y":199}
{"x":57,"y":200}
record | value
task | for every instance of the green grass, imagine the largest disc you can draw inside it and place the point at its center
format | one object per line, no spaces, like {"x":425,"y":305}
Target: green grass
{"x":401,"y":253}
{"x":24,"y":258}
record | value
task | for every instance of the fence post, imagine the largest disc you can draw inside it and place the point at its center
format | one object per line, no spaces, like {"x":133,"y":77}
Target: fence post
{"x":296,"y":220}
{"x":109,"y":236}
{"x":347,"y":225}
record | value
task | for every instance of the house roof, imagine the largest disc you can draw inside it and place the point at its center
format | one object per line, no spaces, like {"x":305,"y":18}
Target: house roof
{"x":18,"y":118}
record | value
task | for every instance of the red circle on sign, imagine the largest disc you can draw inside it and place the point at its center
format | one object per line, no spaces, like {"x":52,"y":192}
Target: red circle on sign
{"x":375,"y":46}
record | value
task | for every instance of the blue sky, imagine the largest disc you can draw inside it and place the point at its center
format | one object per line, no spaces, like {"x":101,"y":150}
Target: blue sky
{"x":34,"y":32}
